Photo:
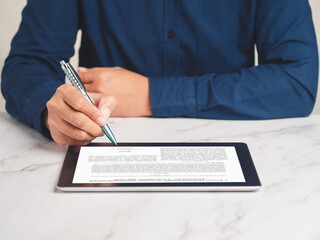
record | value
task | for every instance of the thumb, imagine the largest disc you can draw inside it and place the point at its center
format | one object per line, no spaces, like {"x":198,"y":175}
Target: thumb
{"x":106,"y":104}
{"x":82,"y":69}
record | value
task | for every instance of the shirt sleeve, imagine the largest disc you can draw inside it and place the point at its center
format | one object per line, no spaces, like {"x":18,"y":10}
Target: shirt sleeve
{"x":32,"y":71}
{"x":283,"y":85}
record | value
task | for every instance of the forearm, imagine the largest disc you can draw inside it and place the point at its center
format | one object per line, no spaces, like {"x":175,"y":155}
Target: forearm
{"x":263,"y":92}
{"x":32,"y":73}
{"x":27,"y":92}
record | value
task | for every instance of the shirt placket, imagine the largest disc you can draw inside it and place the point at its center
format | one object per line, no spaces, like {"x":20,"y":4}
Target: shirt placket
{"x":171,"y":38}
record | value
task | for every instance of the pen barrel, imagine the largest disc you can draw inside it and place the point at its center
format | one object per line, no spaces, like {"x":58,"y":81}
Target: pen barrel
{"x":87,"y":97}
{"x":107,"y":131}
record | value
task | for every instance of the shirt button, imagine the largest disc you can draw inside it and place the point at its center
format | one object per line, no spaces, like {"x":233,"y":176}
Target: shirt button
{"x":171,"y":34}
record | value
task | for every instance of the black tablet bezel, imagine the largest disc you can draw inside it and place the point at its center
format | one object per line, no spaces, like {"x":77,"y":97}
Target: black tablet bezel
{"x":247,"y":165}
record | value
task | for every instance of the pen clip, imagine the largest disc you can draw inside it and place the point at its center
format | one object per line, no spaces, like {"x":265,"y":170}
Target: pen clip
{"x":73,"y":76}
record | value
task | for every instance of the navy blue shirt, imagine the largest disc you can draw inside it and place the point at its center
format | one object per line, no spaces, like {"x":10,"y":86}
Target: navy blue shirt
{"x":197,"y":54}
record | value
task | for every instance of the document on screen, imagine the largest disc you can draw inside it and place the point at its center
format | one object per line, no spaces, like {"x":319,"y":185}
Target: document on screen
{"x":157,"y":165}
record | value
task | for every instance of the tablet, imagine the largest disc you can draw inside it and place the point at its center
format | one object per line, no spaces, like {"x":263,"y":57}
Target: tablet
{"x":159,"y":167}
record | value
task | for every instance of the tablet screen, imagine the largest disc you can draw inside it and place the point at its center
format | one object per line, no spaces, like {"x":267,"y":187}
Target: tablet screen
{"x":158,"y":164}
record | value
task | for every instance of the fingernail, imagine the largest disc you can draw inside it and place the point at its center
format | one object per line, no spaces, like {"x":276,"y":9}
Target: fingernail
{"x":101,"y":121}
{"x":106,"y":112}
{"x":82,"y":69}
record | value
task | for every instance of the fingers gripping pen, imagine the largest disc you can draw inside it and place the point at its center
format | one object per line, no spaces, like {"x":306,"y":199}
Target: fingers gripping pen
{"x":77,"y":83}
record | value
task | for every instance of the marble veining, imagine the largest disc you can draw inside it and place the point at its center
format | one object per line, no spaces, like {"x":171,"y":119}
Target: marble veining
{"x":286,"y":154}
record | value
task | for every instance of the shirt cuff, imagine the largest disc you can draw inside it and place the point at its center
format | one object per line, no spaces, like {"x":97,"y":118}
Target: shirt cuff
{"x":37,"y":105}
{"x":173,"y":96}
{"x":44,"y":130}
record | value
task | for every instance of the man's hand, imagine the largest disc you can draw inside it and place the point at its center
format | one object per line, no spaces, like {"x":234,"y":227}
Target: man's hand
{"x":73,"y":120}
{"x":130,"y":89}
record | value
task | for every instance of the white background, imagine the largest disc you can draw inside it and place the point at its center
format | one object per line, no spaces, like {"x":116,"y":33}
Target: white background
{"x":10,"y":17}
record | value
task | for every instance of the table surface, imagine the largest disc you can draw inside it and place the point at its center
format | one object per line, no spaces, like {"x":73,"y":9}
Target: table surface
{"x":286,"y":154}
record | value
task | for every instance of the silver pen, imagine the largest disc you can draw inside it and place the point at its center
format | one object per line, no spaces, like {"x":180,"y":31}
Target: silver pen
{"x":77,"y":83}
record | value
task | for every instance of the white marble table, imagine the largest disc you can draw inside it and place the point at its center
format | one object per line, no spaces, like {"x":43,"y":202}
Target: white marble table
{"x":286,"y":154}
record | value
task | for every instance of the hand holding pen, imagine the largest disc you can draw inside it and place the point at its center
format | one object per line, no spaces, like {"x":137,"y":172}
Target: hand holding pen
{"x":77,"y":83}
{"x":73,"y":120}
